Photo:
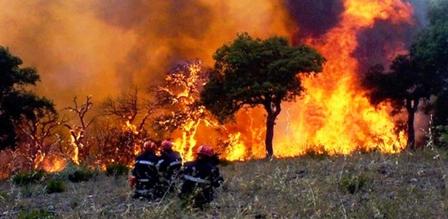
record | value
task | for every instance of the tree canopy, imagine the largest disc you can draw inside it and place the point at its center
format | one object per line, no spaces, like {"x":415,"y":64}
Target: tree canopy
{"x":403,"y":86}
{"x":421,"y":74}
{"x":252,"y":72}
{"x":16,"y":102}
{"x":430,"y":51}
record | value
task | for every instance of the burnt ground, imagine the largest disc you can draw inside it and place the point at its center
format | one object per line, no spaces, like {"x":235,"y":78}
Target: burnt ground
{"x":407,"y":185}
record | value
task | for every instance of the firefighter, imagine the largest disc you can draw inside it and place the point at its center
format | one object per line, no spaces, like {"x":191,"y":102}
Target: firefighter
{"x":169,"y":165}
{"x":145,"y":175}
{"x":200,"y":178}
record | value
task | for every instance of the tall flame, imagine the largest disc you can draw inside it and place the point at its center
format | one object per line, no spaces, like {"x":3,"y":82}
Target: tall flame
{"x":335,"y":116}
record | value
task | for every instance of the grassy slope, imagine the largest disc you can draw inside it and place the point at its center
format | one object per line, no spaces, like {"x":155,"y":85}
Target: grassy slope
{"x":396,"y":186}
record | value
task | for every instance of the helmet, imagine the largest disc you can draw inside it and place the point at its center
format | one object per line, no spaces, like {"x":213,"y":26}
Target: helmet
{"x":205,"y":150}
{"x":167,"y":145}
{"x":149,"y":145}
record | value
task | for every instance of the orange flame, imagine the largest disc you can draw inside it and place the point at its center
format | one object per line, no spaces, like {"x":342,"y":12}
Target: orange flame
{"x":52,"y":164}
{"x":335,"y":115}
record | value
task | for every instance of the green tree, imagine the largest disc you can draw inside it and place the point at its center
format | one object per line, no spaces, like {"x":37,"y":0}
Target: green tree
{"x":430,"y":51}
{"x":253,"y":72}
{"x":16,"y":102}
{"x":403,"y":86}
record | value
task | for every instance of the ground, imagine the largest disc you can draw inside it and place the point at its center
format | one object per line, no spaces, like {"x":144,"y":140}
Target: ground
{"x":406,"y":185}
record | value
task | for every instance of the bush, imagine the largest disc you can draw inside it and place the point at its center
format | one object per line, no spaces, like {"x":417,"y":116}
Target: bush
{"x":35,"y":214}
{"x":26,"y":178}
{"x":117,"y":170}
{"x":80,"y":175}
{"x":353,"y":184}
{"x":76,"y":173}
{"x":55,"y":186}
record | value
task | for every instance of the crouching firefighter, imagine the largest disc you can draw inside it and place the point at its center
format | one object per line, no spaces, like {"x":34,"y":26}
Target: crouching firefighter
{"x":200,"y":178}
{"x":145,"y":175}
{"x":169,"y":166}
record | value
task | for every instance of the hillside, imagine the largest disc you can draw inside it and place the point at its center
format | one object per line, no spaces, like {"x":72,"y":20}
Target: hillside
{"x":407,"y":185}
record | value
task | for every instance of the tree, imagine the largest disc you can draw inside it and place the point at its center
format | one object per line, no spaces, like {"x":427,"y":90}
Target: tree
{"x":430,"y":51}
{"x":127,"y":109}
{"x":38,"y":135}
{"x":254,"y":72}
{"x":17,"y":103}
{"x":403,"y":86}
{"x":78,"y":130}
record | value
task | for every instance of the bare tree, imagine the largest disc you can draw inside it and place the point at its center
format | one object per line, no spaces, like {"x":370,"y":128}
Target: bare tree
{"x":127,"y":109}
{"x":39,"y":134}
{"x":79,"y":128}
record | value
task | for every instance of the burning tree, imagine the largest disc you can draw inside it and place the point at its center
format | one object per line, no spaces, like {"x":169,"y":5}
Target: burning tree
{"x":252,"y":72}
{"x":177,"y":100}
{"x":417,"y":76}
{"x":39,"y":136}
{"x":121,"y":144}
{"x":404,"y":86}
{"x":127,"y":109}
{"x":77,"y":130}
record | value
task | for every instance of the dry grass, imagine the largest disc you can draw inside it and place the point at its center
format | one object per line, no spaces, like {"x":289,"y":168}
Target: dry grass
{"x":393,"y":186}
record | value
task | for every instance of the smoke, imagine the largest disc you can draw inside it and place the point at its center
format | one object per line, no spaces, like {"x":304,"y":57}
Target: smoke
{"x":102,"y":47}
{"x":421,"y":11}
{"x":315,"y":17}
{"x":380,"y":43}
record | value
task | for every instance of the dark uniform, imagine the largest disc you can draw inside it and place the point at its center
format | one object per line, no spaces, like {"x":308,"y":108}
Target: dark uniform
{"x":169,"y":166}
{"x":200,"y":177}
{"x":146,"y":174}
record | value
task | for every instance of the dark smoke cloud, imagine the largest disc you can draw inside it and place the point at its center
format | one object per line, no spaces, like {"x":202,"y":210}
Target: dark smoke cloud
{"x":379,"y":44}
{"x":315,"y":17}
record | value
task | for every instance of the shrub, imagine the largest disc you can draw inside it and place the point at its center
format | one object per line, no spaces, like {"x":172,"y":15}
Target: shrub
{"x":55,"y":186}
{"x":75,"y":173}
{"x":35,"y":214}
{"x":80,"y":175}
{"x":353,"y":184}
{"x":26,"y":178}
{"x":117,"y":170}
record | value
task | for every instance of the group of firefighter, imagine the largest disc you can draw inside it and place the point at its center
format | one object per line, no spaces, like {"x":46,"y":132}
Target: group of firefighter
{"x":156,"y":175}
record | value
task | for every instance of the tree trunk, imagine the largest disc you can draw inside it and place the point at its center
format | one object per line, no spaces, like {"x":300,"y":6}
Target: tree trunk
{"x":411,"y":107}
{"x":273,"y":108}
{"x":270,"y":122}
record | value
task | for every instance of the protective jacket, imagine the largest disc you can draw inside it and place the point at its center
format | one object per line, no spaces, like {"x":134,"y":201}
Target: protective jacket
{"x":199,"y":178}
{"x":170,"y":164}
{"x":146,"y":174}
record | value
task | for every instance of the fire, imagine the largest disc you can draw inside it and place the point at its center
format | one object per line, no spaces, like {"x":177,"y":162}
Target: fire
{"x":52,"y":164}
{"x":75,"y":149}
{"x":333,"y":117}
{"x":130,"y":127}
{"x":236,"y":150}
{"x":187,"y":142}
{"x":335,"y":114}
